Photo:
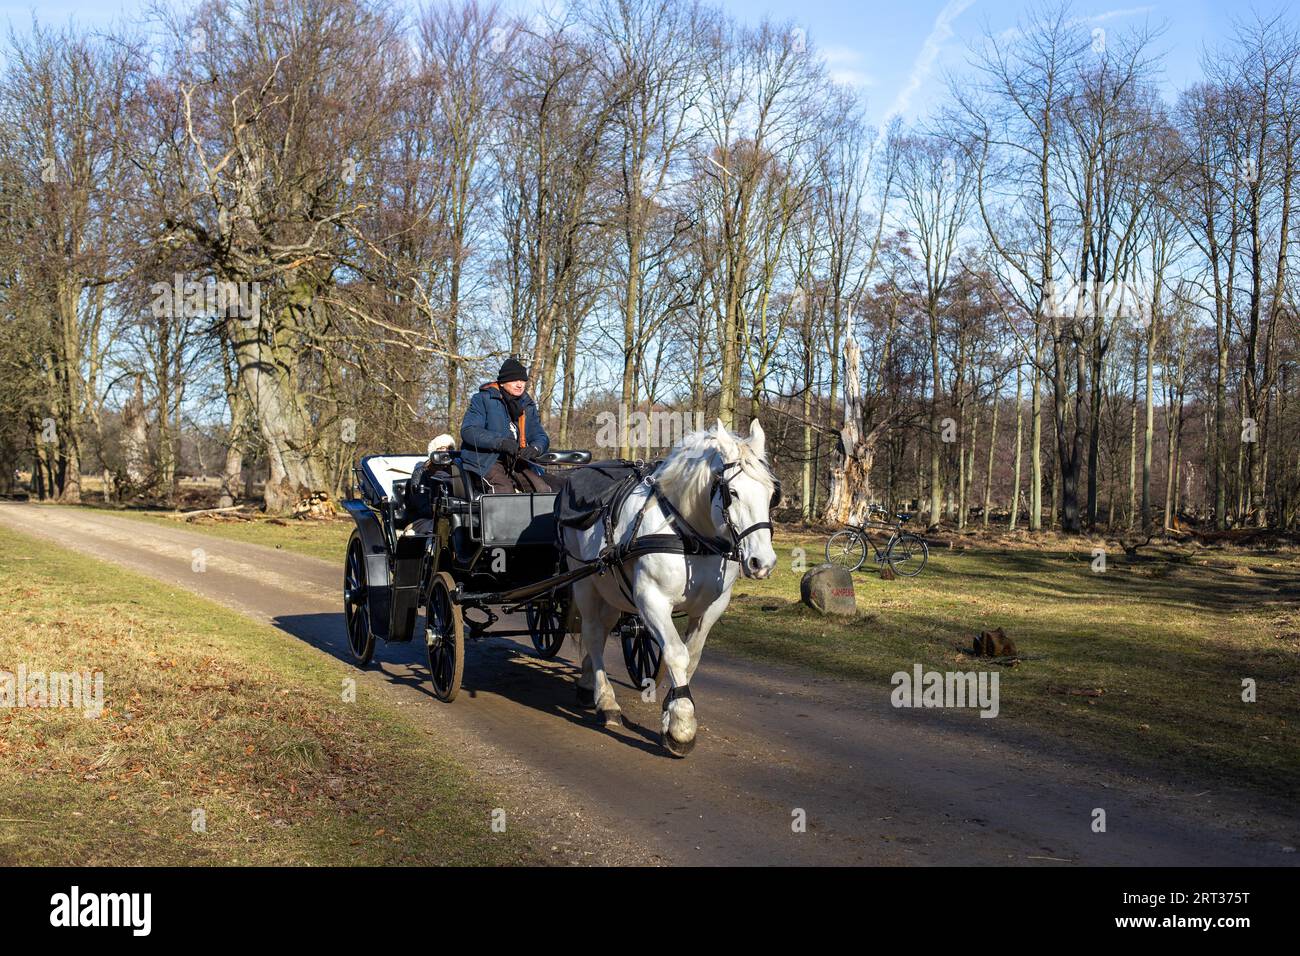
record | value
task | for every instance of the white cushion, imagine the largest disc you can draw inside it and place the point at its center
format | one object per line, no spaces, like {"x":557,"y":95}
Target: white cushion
{"x":386,"y":469}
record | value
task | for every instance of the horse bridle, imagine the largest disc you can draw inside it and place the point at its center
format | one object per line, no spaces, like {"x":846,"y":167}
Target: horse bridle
{"x":721,"y":485}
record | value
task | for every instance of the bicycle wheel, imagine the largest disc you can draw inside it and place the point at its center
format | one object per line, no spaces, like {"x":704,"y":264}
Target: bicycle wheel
{"x":907,"y":555}
{"x":846,"y":549}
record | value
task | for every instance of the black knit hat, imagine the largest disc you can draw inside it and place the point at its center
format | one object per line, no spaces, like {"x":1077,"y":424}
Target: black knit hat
{"x":512,"y":370}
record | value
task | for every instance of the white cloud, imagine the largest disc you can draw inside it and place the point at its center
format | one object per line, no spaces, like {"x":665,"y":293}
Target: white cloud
{"x":940,"y":33}
{"x":1112,"y":14}
{"x":846,"y":65}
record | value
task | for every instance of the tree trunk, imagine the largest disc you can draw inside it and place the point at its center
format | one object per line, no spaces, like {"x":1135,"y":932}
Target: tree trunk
{"x":851,"y":474}
{"x":268,"y":372}
{"x":234,"y":463}
{"x":936,"y":429}
{"x":1036,"y":441}
{"x":988,"y":472}
{"x":452,"y":331}
{"x":135,"y":438}
{"x":806,"y":408}
{"x":1132,"y":443}
{"x":1148,"y":442}
{"x":1015,"y":485}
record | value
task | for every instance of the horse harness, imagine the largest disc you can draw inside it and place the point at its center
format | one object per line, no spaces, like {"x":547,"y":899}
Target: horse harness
{"x":685,"y":539}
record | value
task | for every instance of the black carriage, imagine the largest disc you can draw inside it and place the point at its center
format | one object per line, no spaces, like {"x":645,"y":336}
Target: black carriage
{"x":431,"y":537}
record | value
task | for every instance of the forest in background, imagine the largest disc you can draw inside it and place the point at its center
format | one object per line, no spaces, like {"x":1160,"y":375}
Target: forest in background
{"x":259,"y":238}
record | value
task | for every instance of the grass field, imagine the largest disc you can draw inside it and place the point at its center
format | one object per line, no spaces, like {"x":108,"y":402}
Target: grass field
{"x":1145,"y":659}
{"x":205,"y":710}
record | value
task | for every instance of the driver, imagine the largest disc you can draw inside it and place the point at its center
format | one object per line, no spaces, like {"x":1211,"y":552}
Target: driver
{"x":502,"y":434}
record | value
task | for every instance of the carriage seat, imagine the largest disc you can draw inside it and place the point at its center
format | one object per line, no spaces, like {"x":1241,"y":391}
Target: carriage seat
{"x":385,"y":470}
{"x":465,"y":483}
{"x":392,"y":476}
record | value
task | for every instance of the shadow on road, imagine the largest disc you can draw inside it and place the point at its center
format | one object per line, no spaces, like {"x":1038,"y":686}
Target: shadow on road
{"x":493,"y":665}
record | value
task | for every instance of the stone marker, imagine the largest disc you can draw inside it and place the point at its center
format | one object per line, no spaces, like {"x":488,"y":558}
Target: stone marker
{"x":828,"y":589}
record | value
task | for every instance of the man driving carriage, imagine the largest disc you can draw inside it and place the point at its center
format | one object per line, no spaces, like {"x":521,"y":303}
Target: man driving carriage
{"x":501,"y":435}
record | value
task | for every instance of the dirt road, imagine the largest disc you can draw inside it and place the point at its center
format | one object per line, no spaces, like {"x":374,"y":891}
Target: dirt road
{"x":876,"y":785}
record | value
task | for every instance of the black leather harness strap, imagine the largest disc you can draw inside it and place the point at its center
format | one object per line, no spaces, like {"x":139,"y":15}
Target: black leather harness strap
{"x":693,"y":542}
{"x":683,"y":692}
{"x":685,"y":539}
{"x":722,"y":547}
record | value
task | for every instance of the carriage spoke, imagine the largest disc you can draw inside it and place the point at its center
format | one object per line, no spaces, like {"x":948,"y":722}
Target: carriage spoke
{"x":546,"y":627}
{"x":445,"y":639}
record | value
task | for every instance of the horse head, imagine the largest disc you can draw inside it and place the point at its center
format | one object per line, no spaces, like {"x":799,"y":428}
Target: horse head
{"x":724,"y":486}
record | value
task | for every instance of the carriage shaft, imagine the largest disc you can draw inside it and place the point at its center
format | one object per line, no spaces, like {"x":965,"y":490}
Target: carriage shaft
{"x":525,"y":592}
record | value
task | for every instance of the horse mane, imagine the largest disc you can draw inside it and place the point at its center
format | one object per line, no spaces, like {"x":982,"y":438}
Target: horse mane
{"x":687,"y":472}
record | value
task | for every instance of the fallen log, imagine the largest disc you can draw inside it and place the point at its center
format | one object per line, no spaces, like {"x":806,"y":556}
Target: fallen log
{"x":186,"y":515}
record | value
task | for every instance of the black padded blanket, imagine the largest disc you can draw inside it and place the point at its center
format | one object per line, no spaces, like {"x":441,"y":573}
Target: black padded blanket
{"x":589,"y":489}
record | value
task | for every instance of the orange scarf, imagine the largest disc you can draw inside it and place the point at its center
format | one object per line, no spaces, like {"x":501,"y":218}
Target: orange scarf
{"x":523,"y":442}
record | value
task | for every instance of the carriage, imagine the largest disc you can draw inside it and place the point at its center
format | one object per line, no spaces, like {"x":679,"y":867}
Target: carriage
{"x":434,"y":538}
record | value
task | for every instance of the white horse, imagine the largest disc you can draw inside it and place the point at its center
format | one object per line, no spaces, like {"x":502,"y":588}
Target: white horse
{"x":721,"y":488}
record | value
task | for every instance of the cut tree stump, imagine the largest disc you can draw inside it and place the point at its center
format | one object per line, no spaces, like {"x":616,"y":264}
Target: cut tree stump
{"x":315,"y":505}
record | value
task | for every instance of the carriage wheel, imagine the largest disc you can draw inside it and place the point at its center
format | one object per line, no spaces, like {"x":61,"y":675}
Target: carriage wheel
{"x":546,"y":626}
{"x":641,"y":653}
{"x":356,"y":607}
{"x":444,"y":633}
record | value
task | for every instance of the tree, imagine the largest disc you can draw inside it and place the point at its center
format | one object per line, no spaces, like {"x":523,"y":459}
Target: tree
{"x":935,"y":188}
{"x":274,"y":117}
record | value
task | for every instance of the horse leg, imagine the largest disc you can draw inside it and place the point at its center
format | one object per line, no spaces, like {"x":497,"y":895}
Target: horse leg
{"x":587,"y":682}
{"x":594,"y":687}
{"x":586,"y":686}
{"x":678,"y":722}
{"x":697,"y":632}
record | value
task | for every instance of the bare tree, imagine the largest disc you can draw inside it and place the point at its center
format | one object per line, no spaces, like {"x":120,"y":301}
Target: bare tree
{"x":65,"y":96}
{"x":273,"y":119}
{"x":935,"y":187}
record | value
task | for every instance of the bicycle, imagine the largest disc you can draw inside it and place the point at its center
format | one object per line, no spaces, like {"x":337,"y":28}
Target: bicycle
{"x":905,"y":552}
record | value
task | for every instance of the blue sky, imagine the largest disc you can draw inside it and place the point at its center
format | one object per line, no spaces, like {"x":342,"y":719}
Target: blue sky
{"x":897,"y":52}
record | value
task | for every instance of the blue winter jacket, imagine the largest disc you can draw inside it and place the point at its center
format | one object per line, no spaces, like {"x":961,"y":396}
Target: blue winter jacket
{"x":487,"y":421}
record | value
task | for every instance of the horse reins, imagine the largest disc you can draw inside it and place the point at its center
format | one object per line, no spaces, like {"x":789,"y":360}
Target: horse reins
{"x":685,"y":539}
{"x":729,"y":549}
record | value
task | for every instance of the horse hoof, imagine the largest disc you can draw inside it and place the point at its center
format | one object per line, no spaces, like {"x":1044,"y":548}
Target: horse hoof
{"x":586,"y":698}
{"x":676,"y":747}
{"x":611,"y":718}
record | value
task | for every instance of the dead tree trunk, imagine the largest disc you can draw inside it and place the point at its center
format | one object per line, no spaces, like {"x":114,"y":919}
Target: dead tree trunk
{"x":851,"y":472}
